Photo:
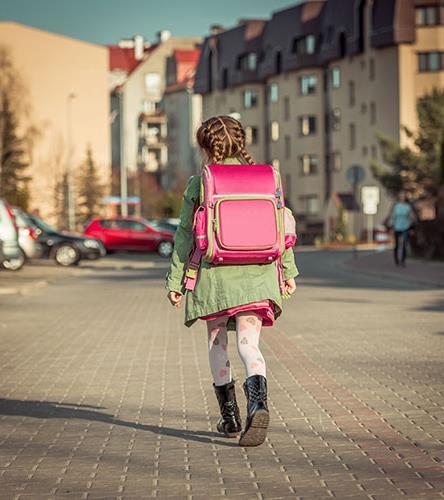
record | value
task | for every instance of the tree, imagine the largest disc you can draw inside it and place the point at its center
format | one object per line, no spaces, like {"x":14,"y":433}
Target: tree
{"x":90,"y":189}
{"x":15,"y":149}
{"x":418,"y":172}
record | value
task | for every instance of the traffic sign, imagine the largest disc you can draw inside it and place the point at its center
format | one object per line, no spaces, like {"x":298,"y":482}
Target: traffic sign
{"x":355,"y":174}
{"x":370,"y":199}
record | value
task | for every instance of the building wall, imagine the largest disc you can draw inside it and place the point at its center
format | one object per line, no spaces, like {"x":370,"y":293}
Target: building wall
{"x":135,"y":92}
{"x":291,"y":145}
{"x":412,"y":83}
{"x":52,"y":67}
{"x":184,"y":115}
{"x":231,"y":100}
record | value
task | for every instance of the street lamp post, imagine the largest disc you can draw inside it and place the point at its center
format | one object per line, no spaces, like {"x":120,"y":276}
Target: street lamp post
{"x":69,"y":173}
{"x":123,"y":173}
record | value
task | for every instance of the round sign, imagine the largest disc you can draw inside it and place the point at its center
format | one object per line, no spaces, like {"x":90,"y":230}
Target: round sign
{"x":355,"y":174}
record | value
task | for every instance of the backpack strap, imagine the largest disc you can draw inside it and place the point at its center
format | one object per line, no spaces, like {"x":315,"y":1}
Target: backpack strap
{"x":193,"y":264}
{"x":192,"y":271}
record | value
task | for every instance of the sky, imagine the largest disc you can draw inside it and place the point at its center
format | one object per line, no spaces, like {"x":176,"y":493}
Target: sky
{"x":107,"y":21}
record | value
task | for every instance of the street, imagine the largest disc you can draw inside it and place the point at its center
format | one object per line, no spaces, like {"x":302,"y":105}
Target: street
{"x":105,"y":394}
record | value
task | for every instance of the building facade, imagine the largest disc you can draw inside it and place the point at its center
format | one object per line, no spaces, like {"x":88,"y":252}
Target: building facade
{"x":139,"y":126}
{"x":316,"y":83}
{"x":67,"y":82}
{"x":183,"y":110}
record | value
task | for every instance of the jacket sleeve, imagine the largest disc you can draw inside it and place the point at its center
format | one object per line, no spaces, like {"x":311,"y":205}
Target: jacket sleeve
{"x":289,"y":264}
{"x":183,"y":239}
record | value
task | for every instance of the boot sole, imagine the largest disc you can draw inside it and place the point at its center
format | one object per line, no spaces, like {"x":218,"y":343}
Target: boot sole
{"x":257,"y":432}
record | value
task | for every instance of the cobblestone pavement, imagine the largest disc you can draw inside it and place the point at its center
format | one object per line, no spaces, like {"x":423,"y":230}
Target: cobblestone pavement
{"x":106,"y":395}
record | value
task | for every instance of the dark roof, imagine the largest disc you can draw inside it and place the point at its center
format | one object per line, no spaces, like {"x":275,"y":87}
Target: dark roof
{"x":338,"y":26}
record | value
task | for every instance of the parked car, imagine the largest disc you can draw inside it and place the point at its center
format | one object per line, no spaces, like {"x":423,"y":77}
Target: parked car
{"x":13,"y":256}
{"x":27,"y":234}
{"x":65,"y":248}
{"x":131,"y":234}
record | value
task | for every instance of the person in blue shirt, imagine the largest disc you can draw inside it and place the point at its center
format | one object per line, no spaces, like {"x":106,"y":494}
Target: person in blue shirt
{"x":401,"y":219}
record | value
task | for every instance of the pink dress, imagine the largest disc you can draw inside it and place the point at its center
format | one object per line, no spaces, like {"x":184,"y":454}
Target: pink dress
{"x":263,"y":308}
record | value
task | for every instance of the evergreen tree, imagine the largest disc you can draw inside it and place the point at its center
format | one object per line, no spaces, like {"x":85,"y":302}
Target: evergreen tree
{"x":90,"y":190}
{"x":14,"y":182}
{"x":61,"y":201}
{"x":415,"y":171}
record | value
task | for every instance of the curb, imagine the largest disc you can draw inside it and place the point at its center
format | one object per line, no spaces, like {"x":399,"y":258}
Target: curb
{"x":25,"y":289}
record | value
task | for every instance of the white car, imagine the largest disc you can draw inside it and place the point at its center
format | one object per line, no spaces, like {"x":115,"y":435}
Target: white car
{"x":12,"y":256}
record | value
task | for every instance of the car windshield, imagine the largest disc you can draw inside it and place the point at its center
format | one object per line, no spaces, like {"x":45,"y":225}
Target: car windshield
{"x":43,"y":225}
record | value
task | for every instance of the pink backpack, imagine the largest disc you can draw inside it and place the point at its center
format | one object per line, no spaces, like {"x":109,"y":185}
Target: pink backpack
{"x":241,"y":218}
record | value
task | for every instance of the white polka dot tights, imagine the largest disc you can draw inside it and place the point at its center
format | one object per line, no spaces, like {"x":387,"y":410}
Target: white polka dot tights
{"x":248,"y":329}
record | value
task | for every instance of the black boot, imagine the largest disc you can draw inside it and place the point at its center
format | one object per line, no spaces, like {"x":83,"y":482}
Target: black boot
{"x":258,"y":418}
{"x":230,"y":422}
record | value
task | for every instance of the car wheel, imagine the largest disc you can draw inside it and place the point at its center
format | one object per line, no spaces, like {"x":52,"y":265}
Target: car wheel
{"x":66,"y":255}
{"x":15,"y":264}
{"x":165,"y":248}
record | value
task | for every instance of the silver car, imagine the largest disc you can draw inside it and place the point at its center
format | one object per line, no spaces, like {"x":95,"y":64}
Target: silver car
{"x":13,"y":256}
{"x":27,"y":234}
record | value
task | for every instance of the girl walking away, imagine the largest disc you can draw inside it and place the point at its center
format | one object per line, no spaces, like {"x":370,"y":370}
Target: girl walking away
{"x":402,"y":218}
{"x":215,"y":284}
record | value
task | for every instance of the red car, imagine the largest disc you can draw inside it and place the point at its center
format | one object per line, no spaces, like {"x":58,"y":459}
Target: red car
{"x":131,"y":233}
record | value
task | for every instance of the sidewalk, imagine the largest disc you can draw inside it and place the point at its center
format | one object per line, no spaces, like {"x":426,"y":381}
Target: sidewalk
{"x":106,"y":395}
{"x":380,"y":263}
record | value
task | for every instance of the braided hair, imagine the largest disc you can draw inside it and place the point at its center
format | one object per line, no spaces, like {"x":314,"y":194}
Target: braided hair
{"x":223,"y":136}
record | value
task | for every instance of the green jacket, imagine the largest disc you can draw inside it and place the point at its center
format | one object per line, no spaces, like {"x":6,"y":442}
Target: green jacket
{"x":219,"y":287}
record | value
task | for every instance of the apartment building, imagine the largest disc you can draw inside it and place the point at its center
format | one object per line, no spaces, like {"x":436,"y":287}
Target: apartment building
{"x":139,"y":122}
{"x":183,"y":110}
{"x":67,"y":82}
{"x":325,"y":77}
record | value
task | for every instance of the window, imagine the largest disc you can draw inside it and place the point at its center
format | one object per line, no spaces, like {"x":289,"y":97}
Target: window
{"x":287,"y":187}
{"x":304,"y":45}
{"x":364,"y":150}
{"x":374,"y":152}
{"x":307,"y":125}
{"x":429,"y":16}
{"x":224,"y":78}
{"x":430,"y":61}
{"x":310,"y":42}
{"x":274,"y":131}
{"x":336,"y":119}
{"x":273,"y":92}
{"x":251,"y":135}
{"x":132,"y":225}
{"x":335,"y":78}
{"x":152,"y":83}
{"x":371,"y":69}
{"x":336,"y":161}
{"x":352,"y":136}
{"x":247,"y":62}
{"x":287,"y":142}
{"x":307,"y":84}
{"x":149,"y":106}
{"x":308,"y":164}
{"x":250,"y":98}
{"x":351,"y":93}
{"x":286,"y":108}
{"x":372,"y":113}
{"x":310,"y":203}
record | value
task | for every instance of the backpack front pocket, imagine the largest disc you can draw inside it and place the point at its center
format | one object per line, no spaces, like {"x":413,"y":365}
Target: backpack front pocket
{"x":246,"y":223}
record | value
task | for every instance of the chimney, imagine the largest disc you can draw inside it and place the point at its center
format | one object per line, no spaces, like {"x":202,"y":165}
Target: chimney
{"x":216,"y":28}
{"x":138,"y":47}
{"x":163,"y":36}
